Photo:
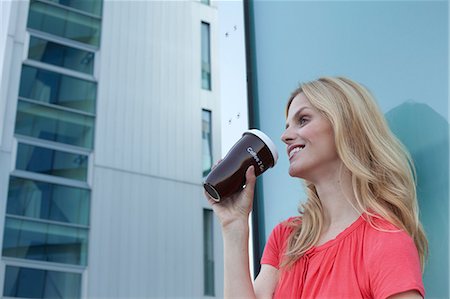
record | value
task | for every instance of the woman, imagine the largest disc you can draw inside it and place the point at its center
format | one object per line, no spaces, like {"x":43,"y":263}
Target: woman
{"x":358,"y":234}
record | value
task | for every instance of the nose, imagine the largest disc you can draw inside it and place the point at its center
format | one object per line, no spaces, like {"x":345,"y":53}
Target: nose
{"x":287,"y":137}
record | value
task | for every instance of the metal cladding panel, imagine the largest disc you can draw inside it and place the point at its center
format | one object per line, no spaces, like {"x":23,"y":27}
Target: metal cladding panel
{"x":146,"y":235}
{"x":11,"y":53}
{"x":145,"y":238}
{"x":150,"y":97}
{"x":12,"y":38}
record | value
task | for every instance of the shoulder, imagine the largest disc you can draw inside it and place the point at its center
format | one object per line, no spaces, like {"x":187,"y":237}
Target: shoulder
{"x":277,"y":241}
{"x":381,"y":237}
{"x":281,"y":232}
{"x":392,"y":257}
{"x":285,"y":228}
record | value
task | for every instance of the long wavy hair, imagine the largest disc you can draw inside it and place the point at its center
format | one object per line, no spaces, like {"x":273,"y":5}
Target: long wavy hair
{"x":382,"y":171}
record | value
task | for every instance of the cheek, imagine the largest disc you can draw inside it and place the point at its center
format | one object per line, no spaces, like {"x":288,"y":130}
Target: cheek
{"x":331,"y":145}
{"x":309,"y":132}
{"x":325,"y":137}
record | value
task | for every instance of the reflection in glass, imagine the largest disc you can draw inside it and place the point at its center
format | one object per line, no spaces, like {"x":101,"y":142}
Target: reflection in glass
{"x":208,"y":253}
{"x":206,"y":142}
{"x":428,"y":142}
{"x":90,"y":6}
{"x":64,"y":23}
{"x":45,"y":242}
{"x":46,"y":201}
{"x":60,"y":55}
{"x":206,"y":57}
{"x":35,"y":283}
{"x":47,"y":123}
{"x":51,"y":162}
{"x":50,"y":87}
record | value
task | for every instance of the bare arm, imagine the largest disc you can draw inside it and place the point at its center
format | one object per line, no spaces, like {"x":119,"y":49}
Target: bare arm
{"x":237,"y":274}
{"x":407,"y":295}
{"x":233,"y":214}
{"x":266,"y":282}
{"x":237,"y":278}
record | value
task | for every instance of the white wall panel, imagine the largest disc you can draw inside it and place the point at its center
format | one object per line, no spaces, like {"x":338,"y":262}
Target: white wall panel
{"x":146,"y":236}
{"x":11,"y":60}
{"x":5,"y":162}
{"x":7,"y":118}
{"x":149,"y":95}
{"x":10,"y":66}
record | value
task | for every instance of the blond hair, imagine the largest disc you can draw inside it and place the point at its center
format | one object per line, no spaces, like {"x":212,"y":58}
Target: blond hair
{"x":382,"y":171}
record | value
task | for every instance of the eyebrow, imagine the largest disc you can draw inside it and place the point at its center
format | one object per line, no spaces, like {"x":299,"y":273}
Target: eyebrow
{"x":297,"y":114}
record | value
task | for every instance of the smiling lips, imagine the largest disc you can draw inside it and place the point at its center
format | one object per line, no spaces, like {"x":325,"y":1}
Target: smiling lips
{"x":294,"y":150}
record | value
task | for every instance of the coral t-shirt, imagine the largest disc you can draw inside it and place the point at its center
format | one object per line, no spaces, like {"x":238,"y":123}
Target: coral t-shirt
{"x":361,"y":262}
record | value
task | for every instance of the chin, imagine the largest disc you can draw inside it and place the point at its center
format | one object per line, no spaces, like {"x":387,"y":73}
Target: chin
{"x":298,"y":172}
{"x":294,"y":173}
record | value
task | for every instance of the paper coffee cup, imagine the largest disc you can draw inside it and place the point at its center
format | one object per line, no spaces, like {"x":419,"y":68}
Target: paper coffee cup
{"x":228,"y":177}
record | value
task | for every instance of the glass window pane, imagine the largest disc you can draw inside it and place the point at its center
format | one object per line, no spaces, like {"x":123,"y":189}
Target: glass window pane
{"x":45,"y":242}
{"x":51,"y":124}
{"x":60,"y":55}
{"x":51,"y":162}
{"x":90,"y":6}
{"x":206,"y":142}
{"x":35,"y":283}
{"x":48,"y":201}
{"x":208,"y":252}
{"x":206,"y":57}
{"x":50,"y":87}
{"x":64,"y":23}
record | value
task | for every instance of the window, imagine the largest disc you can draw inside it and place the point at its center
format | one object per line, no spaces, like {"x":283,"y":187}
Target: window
{"x":51,"y":162}
{"x":89,"y":6}
{"x":35,"y":283}
{"x":54,"y":88}
{"x":207,"y":157}
{"x":35,"y":240}
{"x":64,"y":23}
{"x":39,"y":121}
{"x":60,"y":55}
{"x":206,"y":56}
{"x":208,"y":252}
{"x":47,"y":201}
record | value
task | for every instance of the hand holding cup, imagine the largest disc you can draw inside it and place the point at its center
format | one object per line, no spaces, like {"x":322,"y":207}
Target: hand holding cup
{"x":229,"y":177}
{"x":236,"y":207}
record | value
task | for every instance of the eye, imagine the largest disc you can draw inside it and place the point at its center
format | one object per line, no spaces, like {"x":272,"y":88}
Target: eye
{"x":303,"y":120}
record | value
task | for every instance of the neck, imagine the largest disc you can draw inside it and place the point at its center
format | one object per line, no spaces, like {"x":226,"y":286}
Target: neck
{"x":338,"y":200}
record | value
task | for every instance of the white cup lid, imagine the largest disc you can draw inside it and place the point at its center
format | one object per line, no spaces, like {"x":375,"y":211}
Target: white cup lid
{"x":267,"y":141}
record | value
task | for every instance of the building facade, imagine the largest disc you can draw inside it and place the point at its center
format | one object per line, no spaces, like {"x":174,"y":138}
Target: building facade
{"x":109,"y":120}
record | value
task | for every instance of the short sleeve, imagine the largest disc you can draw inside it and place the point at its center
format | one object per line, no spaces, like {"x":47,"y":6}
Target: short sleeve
{"x":276,"y":244}
{"x":393,"y":265}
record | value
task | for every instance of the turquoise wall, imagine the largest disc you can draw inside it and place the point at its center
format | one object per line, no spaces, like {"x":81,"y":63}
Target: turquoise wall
{"x":399,"y":50}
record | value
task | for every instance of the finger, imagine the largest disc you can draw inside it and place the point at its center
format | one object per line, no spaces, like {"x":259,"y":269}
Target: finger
{"x":250,"y":178}
{"x":208,"y":196}
{"x":210,"y":199}
{"x":217,"y":163}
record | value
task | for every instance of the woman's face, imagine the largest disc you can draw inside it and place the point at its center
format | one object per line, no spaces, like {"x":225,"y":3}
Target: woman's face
{"x":310,"y":142}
